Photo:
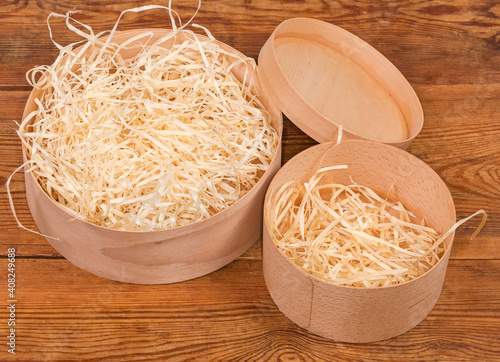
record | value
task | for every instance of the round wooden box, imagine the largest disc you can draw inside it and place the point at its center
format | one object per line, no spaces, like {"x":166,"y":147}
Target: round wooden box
{"x":351,"y":314}
{"x":164,"y":256}
{"x":323,"y":77}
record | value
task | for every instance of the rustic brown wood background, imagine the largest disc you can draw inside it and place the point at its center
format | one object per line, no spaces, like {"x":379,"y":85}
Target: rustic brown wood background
{"x":448,"y":50}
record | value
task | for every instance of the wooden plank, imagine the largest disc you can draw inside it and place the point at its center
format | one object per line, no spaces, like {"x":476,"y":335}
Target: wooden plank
{"x":65,"y":314}
{"x":459,"y":141}
{"x":429,"y":43}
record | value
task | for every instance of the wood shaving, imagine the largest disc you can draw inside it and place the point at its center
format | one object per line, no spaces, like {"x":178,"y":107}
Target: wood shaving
{"x":348,"y":235}
{"x":155,"y":141}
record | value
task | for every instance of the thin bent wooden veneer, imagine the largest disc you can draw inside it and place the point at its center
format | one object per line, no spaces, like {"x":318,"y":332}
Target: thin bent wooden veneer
{"x":357,"y":314}
{"x":163,"y":256}
{"x":323,"y":77}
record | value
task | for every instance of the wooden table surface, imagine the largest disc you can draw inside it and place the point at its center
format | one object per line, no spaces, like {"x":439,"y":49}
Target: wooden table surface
{"x":448,"y":50}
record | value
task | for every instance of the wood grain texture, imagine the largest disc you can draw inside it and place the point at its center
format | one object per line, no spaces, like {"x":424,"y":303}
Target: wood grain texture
{"x":160,"y":256}
{"x":214,"y":318}
{"x":311,"y":70}
{"x":362,"y":315}
{"x":458,"y":33}
{"x":448,"y":50}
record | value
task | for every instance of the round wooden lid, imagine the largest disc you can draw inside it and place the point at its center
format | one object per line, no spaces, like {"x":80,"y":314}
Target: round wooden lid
{"x":323,"y":77}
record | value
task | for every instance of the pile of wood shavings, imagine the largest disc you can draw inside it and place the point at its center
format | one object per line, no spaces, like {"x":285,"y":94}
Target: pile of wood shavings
{"x":157,"y":141}
{"x":349,"y":235}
